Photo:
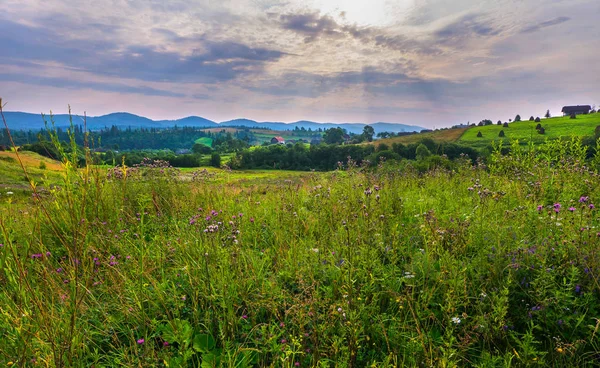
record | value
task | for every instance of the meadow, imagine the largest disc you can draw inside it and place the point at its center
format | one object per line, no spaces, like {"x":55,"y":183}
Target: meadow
{"x":487,"y":265}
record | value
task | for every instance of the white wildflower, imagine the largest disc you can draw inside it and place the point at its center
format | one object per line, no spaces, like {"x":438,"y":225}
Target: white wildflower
{"x":456,"y":320}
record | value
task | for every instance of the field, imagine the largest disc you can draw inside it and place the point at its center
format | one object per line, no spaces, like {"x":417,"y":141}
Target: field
{"x":557,"y":127}
{"x":441,"y":136}
{"x":361,"y":267}
{"x":39,"y":169}
{"x":205,"y":141}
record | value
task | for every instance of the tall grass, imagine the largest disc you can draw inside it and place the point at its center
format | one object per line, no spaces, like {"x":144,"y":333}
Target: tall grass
{"x":479,"y":266}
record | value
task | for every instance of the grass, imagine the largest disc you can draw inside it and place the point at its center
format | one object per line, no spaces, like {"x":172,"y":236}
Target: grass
{"x":43,"y":171}
{"x":445,"y":136}
{"x":557,"y":127}
{"x":207,"y":141}
{"x":487,"y":266}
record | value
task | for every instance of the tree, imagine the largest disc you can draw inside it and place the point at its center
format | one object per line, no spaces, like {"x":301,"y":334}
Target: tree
{"x":334,"y":136}
{"x":501,"y":134}
{"x":201,"y":149}
{"x":368,"y":133}
{"x":505,"y":125}
{"x":531,"y":118}
{"x":517,"y":118}
{"x":542,"y":130}
{"x":499,"y":122}
{"x":422,"y":152}
{"x":537,"y":120}
{"x":547,"y":114}
{"x":479,"y":135}
{"x":215,"y":160}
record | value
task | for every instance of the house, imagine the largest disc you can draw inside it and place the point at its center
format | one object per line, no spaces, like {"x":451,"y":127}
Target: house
{"x":277,"y":140}
{"x":579,"y":109}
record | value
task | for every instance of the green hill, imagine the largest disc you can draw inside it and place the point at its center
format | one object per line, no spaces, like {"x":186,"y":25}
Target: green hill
{"x":557,"y":127}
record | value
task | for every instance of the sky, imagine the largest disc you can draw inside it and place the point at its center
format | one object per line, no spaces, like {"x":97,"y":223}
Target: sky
{"x":432,"y":63}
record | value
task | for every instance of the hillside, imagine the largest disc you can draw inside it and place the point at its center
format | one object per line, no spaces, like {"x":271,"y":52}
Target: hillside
{"x":446,"y":135}
{"x":556,"y":127}
{"x":39,"y":168}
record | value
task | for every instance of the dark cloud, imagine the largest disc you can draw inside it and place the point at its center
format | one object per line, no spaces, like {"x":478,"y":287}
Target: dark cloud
{"x":548,"y":23}
{"x":464,"y":29}
{"x":312,"y":25}
{"x":78,"y":84}
{"x":217,"y":62}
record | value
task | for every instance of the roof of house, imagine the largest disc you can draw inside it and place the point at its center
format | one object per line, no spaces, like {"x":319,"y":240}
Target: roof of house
{"x":279,"y":139}
{"x":570,"y":109}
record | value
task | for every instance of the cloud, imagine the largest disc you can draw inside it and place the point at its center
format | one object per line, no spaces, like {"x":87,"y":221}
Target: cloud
{"x":312,"y":25}
{"x":217,"y":61}
{"x":548,"y":23}
{"x":464,"y":29}
{"x":77,"y":84}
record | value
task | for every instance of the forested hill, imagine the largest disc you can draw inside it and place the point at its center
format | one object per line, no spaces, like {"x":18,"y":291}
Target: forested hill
{"x":28,"y":121}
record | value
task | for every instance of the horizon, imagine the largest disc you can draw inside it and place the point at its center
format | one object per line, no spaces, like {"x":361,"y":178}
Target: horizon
{"x":430,"y":63}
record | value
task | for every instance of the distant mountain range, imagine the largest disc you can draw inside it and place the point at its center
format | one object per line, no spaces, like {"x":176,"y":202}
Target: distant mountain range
{"x":28,"y":121}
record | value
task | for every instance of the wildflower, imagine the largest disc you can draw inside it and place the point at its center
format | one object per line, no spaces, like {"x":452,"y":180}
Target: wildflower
{"x":36,"y":256}
{"x":557,"y":207}
{"x":456,"y":320}
{"x":540,"y":207}
{"x":9,"y":193}
{"x":166,"y":343}
{"x":572,"y":209}
{"x":141,"y":341}
{"x":281,"y":324}
{"x":577,"y":289}
{"x":591,"y":206}
{"x":244,"y":317}
{"x":283,"y":341}
{"x":408,"y":275}
{"x":340,"y":310}
{"x":583,"y":199}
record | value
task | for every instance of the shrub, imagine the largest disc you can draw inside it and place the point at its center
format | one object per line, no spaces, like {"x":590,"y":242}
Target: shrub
{"x":215,"y":160}
{"x":501,"y":134}
{"x":499,"y":122}
{"x":518,"y":118}
{"x":537,"y":120}
{"x":479,"y":135}
{"x":422,"y":152}
{"x":541,"y":130}
{"x":531,"y":118}
{"x":505,"y":125}
{"x":573,"y":116}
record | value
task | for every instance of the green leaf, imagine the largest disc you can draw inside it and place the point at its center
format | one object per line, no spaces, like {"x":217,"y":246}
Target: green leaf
{"x":204,"y":343}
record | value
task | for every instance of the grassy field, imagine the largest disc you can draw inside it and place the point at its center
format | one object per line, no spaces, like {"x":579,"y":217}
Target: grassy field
{"x":381,"y":267}
{"x":557,"y":127}
{"x":445,"y":136}
{"x":40,"y":169}
{"x":205,"y":141}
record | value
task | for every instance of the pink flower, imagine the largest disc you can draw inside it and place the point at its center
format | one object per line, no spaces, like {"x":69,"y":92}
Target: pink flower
{"x":141,"y":341}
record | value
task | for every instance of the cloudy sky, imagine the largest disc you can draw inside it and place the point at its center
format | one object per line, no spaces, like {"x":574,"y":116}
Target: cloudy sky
{"x":432,"y":63}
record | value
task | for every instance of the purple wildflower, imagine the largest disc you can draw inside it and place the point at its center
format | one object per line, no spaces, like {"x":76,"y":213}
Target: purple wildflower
{"x":141,"y":341}
{"x":244,"y":316}
{"x":577,"y":289}
{"x":166,"y":343}
{"x":557,"y":207}
{"x":572,"y":209}
{"x":583,"y":199}
{"x":591,"y":206}
{"x":540,"y":207}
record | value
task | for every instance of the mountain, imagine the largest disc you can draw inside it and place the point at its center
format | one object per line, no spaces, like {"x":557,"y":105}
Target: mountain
{"x":27,"y":121}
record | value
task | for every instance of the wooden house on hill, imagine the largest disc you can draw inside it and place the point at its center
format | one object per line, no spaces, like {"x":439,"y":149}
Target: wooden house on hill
{"x":577,"y":110}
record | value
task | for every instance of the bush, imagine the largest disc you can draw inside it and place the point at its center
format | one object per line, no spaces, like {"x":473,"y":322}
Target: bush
{"x":505,"y":125}
{"x":499,"y":122}
{"x":573,"y":116}
{"x":541,"y":130}
{"x":422,"y":152}
{"x":531,"y":118}
{"x":479,"y":135}
{"x":517,"y":118}
{"x":537,"y":120}
{"x":501,"y":134}
{"x":215,"y":160}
